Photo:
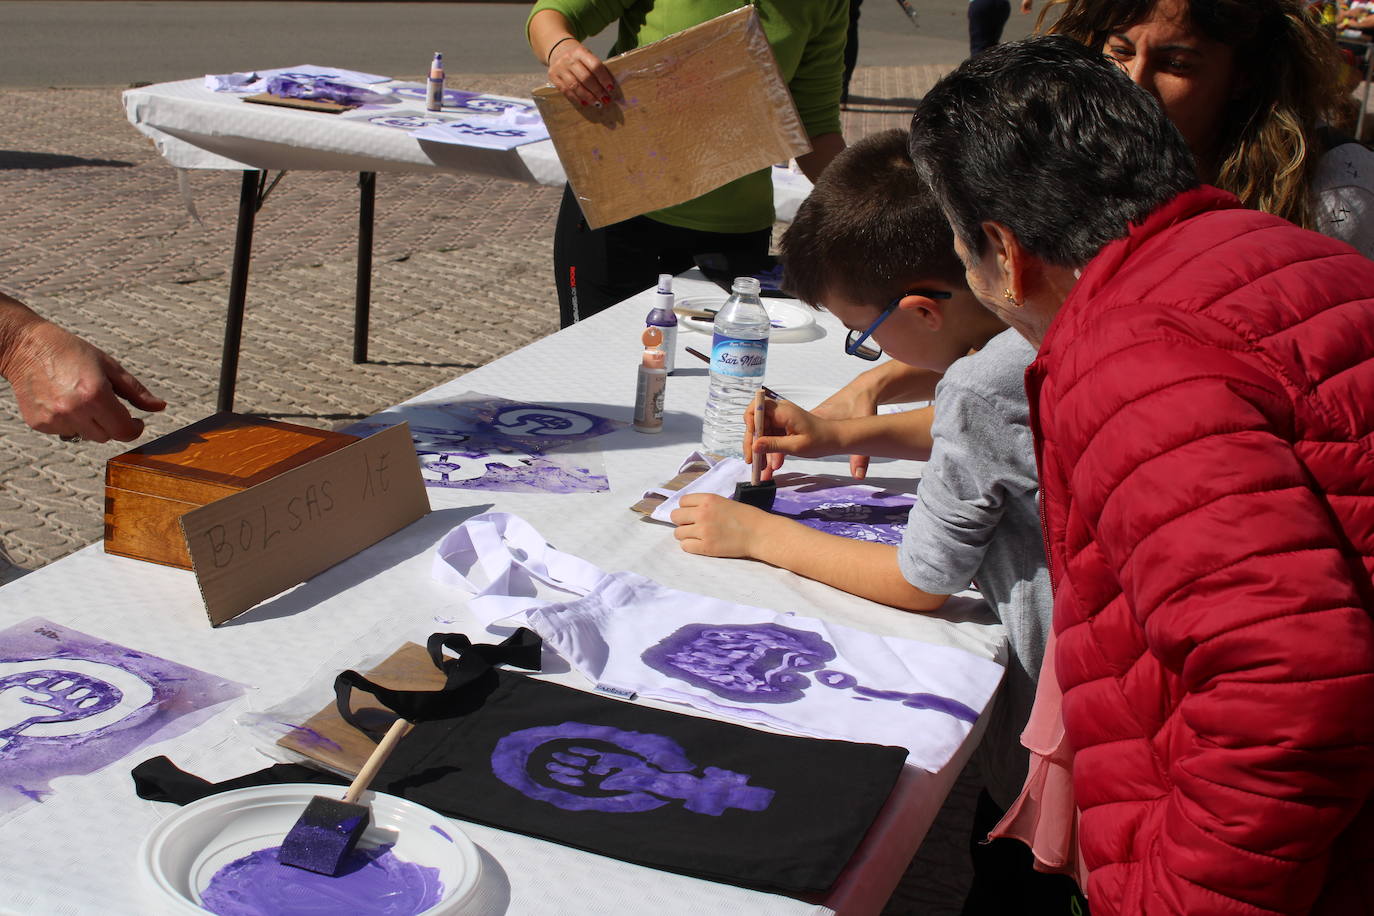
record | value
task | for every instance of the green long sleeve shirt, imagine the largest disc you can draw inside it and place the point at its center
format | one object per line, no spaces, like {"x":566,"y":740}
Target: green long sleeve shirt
{"x":807,"y":37}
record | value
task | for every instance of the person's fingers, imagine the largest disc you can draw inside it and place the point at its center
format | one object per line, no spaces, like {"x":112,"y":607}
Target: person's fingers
{"x":604,"y":79}
{"x":93,"y":427}
{"x":858,"y":466}
{"x":131,"y":389}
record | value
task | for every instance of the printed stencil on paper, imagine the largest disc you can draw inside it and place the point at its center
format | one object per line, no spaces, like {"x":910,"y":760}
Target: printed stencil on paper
{"x":478,"y":442}
{"x":71,"y":704}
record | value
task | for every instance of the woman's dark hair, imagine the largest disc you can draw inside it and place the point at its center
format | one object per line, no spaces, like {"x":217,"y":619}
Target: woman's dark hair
{"x":1268,"y":146}
{"x":1048,"y":138}
{"x":868,"y":228}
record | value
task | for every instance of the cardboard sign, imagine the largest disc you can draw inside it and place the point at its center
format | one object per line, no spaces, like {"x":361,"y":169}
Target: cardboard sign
{"x":695,"y":111}
{"x":252,"y":545}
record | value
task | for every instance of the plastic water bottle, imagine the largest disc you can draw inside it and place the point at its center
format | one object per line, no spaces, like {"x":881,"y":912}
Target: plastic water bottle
{"x":664,"y":318}
{"x":739,"y":354}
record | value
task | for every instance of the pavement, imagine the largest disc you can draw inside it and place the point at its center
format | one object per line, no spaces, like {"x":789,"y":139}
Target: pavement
{"x":95,"y":234}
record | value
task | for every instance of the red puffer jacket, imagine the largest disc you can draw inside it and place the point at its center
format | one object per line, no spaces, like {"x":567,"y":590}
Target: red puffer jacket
{"x":1204,"y":414}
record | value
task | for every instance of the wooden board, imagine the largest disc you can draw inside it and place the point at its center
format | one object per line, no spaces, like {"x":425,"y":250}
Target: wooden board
{"x":324,"y":105}
{"x":330,"y":741}
{"x":695,"y":110}
{"x":148,"y":489}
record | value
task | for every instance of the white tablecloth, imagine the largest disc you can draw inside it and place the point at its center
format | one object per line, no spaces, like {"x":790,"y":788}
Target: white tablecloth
{"x":194,"y":128}
{"x":75,"y":852}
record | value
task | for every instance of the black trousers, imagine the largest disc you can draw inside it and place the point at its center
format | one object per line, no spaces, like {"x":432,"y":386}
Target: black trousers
{"x":851,"y":48}
{"x":596,"y":268}
{"x":1004,"y":877}
{"x":986,"y":19}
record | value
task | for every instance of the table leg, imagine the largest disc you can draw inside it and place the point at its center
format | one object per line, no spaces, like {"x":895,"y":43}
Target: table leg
{"x":249,"y":196}
{"x":367,"y":198}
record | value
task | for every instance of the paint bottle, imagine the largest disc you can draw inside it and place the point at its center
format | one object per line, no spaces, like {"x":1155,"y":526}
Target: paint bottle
{"x":664,"y":318}
{"x":434,"y":92}
{"x":653,"y":379}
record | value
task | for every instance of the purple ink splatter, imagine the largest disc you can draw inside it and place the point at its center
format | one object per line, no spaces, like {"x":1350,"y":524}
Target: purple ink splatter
{"x":857,"y":512}
{"x":750,"y":663}
{"x":923,"y":701}
{"x":372,"y":882}
{"x":581,"y":767}
{"x":837,"y":679}
{"x":71,"y":704}
{"x":441,"y":832}
{"x":310,"y":738}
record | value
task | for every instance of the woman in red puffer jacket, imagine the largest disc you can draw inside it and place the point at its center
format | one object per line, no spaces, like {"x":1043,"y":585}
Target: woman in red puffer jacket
{"x":1203,"y":403}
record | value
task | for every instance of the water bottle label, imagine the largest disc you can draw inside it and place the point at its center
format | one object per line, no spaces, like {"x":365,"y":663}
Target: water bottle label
{"x":739,"y":358}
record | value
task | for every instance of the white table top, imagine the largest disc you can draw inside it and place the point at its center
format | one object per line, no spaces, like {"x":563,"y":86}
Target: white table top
{"x":195,"y":128}
{"x":74,"y":853}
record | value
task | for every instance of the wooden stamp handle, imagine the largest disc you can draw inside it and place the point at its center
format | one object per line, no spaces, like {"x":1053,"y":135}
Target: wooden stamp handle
{"x":398,"y":730}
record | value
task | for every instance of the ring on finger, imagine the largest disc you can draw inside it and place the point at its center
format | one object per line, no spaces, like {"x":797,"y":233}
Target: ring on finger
{"x":70,"y":438}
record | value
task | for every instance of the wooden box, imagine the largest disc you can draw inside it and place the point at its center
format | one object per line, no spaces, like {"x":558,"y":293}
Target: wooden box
{"x":148,"y":489}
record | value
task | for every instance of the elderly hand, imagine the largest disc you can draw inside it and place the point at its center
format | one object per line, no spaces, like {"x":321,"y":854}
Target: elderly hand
{"x":714,"y":526}
{"x":853,"y":400}
{"x":579,"y":74}
{"x":69,"y":388}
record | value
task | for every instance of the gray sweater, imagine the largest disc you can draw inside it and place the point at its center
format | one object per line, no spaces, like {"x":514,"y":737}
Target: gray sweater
{"x":976,"y":521}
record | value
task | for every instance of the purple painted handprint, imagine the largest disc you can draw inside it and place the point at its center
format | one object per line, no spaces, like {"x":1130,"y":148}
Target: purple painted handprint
{"x":62,"y":697}
{"x":581,"y":767}
{"x":751,"y":663}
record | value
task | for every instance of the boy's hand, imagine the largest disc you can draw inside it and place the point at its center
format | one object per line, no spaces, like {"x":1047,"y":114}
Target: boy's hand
{"x":788,"y":430}
{"x":714,"y":526}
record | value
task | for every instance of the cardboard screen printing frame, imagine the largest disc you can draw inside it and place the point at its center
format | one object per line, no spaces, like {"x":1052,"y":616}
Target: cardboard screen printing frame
{"x":252,"y":545}
{"x":693,"y":111}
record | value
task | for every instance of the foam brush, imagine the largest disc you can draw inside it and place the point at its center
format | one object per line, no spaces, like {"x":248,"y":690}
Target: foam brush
{"x":758,"y":492}
{"x":330,"y":828}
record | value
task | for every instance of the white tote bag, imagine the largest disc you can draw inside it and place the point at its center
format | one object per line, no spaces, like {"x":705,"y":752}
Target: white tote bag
{"x":631,"y":635}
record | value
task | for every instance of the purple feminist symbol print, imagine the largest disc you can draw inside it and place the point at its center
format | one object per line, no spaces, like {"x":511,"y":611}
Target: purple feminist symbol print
{"x":751,"y":663}
{"x":71,"y":704}
{"x":765,"y":663}
{"x":581,"y":767}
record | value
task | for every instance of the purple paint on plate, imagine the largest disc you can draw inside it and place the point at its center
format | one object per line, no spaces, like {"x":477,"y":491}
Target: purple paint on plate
{"x":371,"y":882}
{"x":848,"y":510}
{"x":749,"y":663}
{"x":71,"y":704}
{"x":440,"y":831}
{"x":580,"y":767}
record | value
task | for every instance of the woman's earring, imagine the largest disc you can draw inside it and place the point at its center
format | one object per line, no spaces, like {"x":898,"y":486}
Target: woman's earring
{"x":1008,"y":295}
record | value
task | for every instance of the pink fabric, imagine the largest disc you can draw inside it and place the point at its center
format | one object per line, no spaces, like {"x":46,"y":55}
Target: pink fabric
{"x":1044,"y":815}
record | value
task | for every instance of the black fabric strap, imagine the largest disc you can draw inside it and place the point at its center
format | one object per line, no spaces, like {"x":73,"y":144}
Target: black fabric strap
{"x":161,"y":780}
{"x":469,"y":678}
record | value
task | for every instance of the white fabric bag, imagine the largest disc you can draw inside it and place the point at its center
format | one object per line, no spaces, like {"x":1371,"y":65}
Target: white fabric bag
{"x":796,"y":674}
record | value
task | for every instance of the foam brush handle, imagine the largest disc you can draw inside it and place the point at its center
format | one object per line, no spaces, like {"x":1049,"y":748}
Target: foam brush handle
{"x":398,"y":730}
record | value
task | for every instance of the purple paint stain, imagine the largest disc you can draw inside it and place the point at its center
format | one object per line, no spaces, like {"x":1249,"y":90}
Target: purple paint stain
{"x":763,"y":663}
{"x":856,"y":512}
{"x":441,"y":832}
{"x":71,"y":704}
{"x":923,"y":701}
{"x":751,"y":663}
{"x":310,"y":738}
{"x":837,"y":679}
{"x":371,"y":882}
{"x":580,"y":767}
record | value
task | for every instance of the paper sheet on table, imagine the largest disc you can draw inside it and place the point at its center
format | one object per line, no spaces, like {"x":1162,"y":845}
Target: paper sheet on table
{"x":481,"y":442}
{"x":250,"y":81}
{"x":826,"y":503}
{"x":499,"y":129}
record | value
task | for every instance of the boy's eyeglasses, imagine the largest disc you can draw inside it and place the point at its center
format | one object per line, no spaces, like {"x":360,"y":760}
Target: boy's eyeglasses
{"x":855,"y":342}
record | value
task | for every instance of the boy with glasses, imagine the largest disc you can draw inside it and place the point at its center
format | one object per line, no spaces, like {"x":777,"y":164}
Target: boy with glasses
{"x":872,"y":246}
